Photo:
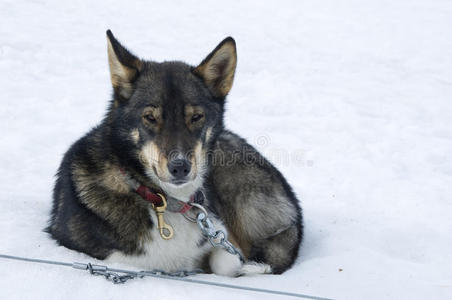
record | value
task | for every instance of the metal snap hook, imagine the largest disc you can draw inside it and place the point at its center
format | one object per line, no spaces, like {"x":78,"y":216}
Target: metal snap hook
{"x":166,"y":231}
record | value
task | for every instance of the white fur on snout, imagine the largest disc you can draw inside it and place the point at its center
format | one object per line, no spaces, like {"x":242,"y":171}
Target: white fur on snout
{"x":183,"y":191}
{"x":224,"y":263}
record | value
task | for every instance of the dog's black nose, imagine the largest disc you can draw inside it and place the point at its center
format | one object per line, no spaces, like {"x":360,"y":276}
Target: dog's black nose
{"x":179,"y":168}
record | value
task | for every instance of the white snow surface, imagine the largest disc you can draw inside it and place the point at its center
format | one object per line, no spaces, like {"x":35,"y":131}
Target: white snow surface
{"x":351,"y":100}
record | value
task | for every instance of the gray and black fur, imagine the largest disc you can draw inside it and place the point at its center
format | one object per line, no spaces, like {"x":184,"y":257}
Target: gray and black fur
{"x":160,"y":114}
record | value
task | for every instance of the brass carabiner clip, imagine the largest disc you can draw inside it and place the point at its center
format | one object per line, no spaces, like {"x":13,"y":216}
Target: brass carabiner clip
{"x":166,"y":230}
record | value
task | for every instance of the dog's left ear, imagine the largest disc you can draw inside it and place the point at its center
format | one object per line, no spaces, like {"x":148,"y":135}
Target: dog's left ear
{"x":124,"y":66}
{"x":218,"y":68}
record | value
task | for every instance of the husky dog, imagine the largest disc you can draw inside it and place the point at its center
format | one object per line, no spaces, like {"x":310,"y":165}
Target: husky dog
{"x":162,"y":142}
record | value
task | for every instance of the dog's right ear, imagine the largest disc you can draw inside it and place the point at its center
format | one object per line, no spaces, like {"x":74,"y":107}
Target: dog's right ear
{"x":124,"y":66}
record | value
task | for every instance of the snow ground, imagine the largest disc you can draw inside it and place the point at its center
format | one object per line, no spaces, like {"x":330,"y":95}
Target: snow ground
{"x":351,"y":99}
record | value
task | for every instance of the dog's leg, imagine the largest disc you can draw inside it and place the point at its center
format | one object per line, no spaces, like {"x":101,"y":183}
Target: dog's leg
{"x":224,"y":263}
{"x":278,"y":251}
{"x":254,"y":268}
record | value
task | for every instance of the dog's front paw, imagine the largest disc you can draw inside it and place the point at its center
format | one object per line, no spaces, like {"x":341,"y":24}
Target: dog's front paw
{"x":224,"y":263}
{"x":254,"y":268}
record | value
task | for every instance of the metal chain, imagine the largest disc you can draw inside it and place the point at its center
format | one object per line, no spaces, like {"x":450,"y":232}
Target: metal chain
{"x":217,"y":238}
{"x":109,"y":275}
{"x":113,"y":276}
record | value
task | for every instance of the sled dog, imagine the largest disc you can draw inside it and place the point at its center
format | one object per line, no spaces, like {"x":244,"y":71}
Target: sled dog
{"x":126,"y":191}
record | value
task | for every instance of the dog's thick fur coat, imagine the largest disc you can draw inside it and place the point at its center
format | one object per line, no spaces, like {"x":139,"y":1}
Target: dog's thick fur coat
{"x":161,"y":113}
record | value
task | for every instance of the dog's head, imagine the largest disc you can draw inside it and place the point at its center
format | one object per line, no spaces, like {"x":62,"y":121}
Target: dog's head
{"x":164,"y":117}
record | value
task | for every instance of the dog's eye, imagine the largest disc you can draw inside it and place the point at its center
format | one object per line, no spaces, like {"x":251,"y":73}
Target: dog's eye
{"x":150,"y":118}
{"x":196,"y":117}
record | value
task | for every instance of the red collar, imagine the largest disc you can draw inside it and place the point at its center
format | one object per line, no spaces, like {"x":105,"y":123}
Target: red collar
{"x":157,"y":198}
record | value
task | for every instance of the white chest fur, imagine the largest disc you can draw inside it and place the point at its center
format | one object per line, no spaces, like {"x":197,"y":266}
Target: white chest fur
{"x":184,"y":251}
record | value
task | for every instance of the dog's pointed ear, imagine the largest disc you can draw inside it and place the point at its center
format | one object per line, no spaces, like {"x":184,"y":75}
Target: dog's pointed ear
{"x":124,"y":66}
{"x":218,"y":68}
